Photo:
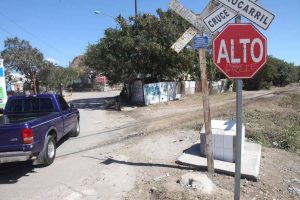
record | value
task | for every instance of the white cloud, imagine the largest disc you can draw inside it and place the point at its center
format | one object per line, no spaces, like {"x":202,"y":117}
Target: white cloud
{"x":51,"y":60}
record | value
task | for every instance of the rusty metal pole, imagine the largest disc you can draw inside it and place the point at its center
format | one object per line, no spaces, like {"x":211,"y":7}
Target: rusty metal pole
{"x":206,"y":111}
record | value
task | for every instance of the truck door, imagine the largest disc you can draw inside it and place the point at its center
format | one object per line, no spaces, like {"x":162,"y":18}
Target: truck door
{"x":69,"y":117}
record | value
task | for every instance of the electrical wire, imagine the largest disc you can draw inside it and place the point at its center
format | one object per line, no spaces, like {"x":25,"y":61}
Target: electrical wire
{"x":30,"y":33}
{"x":6,"y":31}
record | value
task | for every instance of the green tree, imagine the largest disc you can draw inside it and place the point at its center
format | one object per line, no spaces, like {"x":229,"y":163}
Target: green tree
{"x":141,"y":49}
{"x":48,"y":75}
{"x":286,"y":73}
{"x":53,"y":76}
{"x":263,"y":78}
{"x":68,"y":76}
{"x":276,"y":72}
{"x":20,"y":56}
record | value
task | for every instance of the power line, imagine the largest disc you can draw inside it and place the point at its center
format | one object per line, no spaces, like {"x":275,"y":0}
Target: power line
{"x":6,"y":31}
{"x":30,"y":33}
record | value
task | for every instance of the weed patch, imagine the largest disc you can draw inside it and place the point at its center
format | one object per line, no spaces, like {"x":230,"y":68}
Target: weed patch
{"x":273,"y":128}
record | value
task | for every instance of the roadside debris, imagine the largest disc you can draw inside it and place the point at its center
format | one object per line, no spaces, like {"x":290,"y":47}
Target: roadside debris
{"x":198,"y":182}
{"x":161,"y":177}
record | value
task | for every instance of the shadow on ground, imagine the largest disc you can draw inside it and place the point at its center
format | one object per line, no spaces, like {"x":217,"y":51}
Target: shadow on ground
{"x":193,"y":150}
{"x":105,"y":103}
{"x":95,"y":103}
{"x":140,"y":164}
{"x":109,"y":161}
{"x":10,"y":173}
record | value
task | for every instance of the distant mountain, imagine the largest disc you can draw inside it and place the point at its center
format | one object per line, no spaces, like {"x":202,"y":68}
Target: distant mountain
{"x":77,"y":62}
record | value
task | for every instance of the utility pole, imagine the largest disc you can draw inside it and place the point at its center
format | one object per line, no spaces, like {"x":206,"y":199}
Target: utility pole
{"x":136,"y":11}
{"x":206,"y":111}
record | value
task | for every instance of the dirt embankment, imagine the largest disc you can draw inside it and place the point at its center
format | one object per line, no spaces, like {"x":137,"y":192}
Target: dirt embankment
{"x":272,"y":117}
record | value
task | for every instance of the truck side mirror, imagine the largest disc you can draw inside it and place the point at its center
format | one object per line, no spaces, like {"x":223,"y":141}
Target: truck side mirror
{"x":71,"y":106}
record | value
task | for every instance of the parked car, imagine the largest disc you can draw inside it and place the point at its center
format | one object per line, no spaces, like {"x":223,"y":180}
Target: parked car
{"x":31,"y":127}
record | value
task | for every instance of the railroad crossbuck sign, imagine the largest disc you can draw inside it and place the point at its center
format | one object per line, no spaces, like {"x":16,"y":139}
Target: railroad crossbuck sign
{"x":251,"y":11}
{"x":195,"y":20}
{"x":184,"y":39}
{"x":239,"y":51}
{"x":220,"y":17}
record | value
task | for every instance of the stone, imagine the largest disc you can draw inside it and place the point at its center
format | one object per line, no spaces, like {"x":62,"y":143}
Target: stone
{"x":294,"y":180}
{"x":161,"y":177}
{"x":152,"y":189}
{"x":261,"y":192}
{"x":198,"y":182}
{"x":296,"y":191}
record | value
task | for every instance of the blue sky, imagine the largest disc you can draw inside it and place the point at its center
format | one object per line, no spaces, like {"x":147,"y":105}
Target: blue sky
{"x":62,"y":29}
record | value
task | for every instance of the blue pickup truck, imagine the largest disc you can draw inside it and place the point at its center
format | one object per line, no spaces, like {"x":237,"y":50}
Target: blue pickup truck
{"x":32,"y":125}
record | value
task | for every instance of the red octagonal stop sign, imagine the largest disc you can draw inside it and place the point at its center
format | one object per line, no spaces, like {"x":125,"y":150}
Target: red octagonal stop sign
{"x":239,"y":51}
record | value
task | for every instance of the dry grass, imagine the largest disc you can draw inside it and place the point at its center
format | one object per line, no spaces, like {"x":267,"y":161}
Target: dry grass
{"x":274,"y":121}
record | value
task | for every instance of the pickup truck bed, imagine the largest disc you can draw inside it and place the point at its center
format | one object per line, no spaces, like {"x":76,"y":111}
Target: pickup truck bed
{"x":14,"y":119}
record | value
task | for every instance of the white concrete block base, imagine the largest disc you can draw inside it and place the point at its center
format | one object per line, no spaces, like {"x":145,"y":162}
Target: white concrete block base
{"x":250,"y":162}
{"x":223,"y":139}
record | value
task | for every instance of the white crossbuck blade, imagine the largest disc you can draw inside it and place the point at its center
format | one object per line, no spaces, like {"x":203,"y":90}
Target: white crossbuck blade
{"x":251,"y":11}
{"x":191,"y":17}
{"x":215,"y":20}
{"x":184,"y":39}
{"x":195,"y":20}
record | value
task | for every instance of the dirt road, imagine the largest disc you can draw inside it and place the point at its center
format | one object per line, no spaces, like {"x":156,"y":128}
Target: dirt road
{"x":101,"y":126}
{"x":131,"y":154}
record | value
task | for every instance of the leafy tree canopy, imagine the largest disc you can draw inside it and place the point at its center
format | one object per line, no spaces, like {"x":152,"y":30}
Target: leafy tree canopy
{"x":276,"y":72}
{"x":141,"y":49}
{"x":20,"y":56}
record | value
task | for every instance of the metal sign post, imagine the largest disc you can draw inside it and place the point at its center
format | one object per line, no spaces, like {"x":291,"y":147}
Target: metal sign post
{"x":239,"y":121}
{"x":238,"y":138}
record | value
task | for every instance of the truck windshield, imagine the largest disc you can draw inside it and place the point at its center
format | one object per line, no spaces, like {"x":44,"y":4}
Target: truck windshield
{"x":30,"y":105}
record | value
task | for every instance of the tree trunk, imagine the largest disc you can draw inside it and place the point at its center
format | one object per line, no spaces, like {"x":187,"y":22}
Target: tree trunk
{"x":60,"y":89}
{"x":34,"y":83}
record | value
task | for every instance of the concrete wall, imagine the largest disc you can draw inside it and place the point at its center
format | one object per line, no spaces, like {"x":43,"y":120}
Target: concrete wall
{"x":159,"y":92}
{"x":167,"y":91}
{"x":190,"y":87}
{"x":220,"y":86}
{"x":137,"y":92}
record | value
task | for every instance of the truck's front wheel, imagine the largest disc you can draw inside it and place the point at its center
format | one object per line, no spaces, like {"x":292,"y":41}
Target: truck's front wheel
{"x":76,"y":130}
{"x":49,"y":150}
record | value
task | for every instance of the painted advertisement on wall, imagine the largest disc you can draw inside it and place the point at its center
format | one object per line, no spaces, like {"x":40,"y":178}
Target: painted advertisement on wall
{"x":3,"y":95}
